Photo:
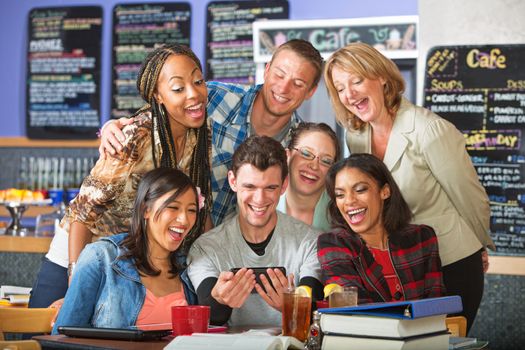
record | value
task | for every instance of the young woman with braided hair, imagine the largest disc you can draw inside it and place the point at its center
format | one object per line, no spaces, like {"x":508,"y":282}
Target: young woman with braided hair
{"x":169,"y":131}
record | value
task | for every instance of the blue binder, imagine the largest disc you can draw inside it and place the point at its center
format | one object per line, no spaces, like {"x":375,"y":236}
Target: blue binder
{"x":409,"y":309}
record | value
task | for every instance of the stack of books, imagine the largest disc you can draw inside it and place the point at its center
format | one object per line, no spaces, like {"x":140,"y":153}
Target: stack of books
{"x":14,"y":296}
{"x":417,"y":324}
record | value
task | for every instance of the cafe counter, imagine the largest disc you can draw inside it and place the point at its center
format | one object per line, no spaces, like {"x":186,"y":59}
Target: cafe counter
{"x":28,"y":244}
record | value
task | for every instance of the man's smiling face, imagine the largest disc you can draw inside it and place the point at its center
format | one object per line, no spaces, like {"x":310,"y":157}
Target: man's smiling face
{"x":258,"y":194}
{"x":288,"y":82}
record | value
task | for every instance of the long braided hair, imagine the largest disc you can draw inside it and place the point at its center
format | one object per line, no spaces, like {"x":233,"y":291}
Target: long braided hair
{"x":147,"y":79}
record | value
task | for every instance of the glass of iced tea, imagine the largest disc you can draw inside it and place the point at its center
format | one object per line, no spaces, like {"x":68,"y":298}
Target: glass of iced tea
{"x":347,"y":296}
{"x":297,"y":307}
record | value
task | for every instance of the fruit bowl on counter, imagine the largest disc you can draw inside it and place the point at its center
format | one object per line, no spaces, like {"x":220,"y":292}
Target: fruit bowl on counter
{"x":13,"y":195}
{"x":16,"y":202}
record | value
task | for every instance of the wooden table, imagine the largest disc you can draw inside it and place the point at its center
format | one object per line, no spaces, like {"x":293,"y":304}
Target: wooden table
{"x":64,"y":342}
{"x":52,"y":342}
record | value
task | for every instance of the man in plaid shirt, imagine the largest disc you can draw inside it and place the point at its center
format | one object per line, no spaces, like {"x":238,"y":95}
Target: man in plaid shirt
{"x":238,"y":111}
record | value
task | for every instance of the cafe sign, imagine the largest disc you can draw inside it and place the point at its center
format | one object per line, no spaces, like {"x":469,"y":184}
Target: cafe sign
{"x":396,"y":36}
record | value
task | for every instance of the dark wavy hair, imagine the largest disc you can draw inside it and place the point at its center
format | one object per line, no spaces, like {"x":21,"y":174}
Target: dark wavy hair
{"x":155,"y":184}
{"x":396,"y":213}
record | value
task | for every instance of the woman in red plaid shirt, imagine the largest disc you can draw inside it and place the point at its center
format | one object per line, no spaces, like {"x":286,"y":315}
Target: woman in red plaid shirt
{"x":373,"y":246}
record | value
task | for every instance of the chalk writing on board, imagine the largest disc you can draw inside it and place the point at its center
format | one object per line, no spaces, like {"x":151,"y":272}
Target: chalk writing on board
{"x":229,"y":42}
{"x":481,"y":89}
{"x":137,"y":30}
{"x":64,"y":72}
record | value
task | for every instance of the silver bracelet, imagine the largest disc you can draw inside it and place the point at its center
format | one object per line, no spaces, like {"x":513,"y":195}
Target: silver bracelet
{"x":71,"y":268}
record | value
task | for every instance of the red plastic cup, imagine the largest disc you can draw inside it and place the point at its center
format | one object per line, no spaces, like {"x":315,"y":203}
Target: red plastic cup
{"x":186,"y":320}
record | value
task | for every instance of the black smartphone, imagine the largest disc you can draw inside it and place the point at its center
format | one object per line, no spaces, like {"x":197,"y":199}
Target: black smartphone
{"x":261,"y":271}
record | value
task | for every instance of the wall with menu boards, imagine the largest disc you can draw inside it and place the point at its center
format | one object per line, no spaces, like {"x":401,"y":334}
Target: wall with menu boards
{"x":63,"y":79}
{"x":229,"y":42}
{"x":137,"y":29}
{"x":481,"y":89}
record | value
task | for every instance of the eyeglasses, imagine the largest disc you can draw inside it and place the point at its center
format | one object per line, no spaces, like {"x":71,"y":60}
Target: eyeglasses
{"x":306,"y":154}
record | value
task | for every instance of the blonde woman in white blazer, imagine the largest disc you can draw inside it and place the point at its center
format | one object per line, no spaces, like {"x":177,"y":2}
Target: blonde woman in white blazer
{"x":427,"y":157}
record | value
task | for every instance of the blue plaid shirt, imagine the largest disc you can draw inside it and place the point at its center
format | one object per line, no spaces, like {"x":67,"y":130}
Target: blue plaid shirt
{"x":229,"y":110}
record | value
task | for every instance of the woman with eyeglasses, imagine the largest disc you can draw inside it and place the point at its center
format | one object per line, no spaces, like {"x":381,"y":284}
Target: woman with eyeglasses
{"x":312,"y":150}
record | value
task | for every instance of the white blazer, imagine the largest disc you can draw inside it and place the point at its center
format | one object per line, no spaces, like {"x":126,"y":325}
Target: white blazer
{"x":427,"y":157}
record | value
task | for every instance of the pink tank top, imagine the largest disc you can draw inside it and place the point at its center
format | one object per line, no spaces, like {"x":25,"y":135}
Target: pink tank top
{"x":158,"y":309}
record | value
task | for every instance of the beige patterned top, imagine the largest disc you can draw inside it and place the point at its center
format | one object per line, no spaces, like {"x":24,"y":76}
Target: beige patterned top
{"x":105,"y":201}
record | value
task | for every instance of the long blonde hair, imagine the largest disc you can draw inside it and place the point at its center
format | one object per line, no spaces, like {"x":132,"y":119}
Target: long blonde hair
{"x":363,"y":60}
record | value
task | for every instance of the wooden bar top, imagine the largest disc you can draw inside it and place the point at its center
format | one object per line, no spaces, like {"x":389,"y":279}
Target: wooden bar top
{"x":506,"y":265}
{"x":25,"y":142}
{"x":31,"y":211}
{"x":27,"y":244}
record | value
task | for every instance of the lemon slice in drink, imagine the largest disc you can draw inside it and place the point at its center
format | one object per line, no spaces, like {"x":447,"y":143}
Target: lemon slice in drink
{"x":332,"y":288}
{"x":304,"y":291}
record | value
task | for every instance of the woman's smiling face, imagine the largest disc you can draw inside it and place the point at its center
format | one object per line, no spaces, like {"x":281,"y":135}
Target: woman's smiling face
{"x":167,"y":229}
{"x":182,"y":91}
{"x":361,"y":96}
{"x":307,"y":176}
{"x":360,"y":200}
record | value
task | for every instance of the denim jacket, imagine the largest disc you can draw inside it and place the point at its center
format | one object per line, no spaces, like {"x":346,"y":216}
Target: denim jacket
{"x":107,"y":291}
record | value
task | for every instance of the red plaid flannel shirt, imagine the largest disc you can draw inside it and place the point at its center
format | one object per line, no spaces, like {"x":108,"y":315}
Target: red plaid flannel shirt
{"x":346,"y":260}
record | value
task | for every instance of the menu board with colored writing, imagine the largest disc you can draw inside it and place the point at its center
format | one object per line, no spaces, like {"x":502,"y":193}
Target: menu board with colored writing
{"x":137,"y":30}
{"x":481,"y":89}
{"x":63,"y":72}
{"x":229,"y":41}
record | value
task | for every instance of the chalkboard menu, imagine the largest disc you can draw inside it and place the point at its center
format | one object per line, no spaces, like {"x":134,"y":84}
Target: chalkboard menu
{"x":63,"y":79}
{"x":229,"y":41}
{"x":481,"y":89}
{"x":137,"y":30}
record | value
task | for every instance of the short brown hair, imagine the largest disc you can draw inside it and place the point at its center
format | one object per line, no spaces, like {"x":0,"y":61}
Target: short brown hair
{"x":262,"y":152}
{"x":305,"y":50}
{"x":365,"y":61}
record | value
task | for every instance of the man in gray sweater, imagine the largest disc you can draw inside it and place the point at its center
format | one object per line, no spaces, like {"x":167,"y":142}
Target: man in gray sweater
{"x":258,"y":236}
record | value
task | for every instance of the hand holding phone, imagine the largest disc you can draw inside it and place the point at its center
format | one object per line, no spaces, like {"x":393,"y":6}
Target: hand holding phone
{"x":233,"y":289}
{"x":258,"y":271}
{"x":271,"y":290}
